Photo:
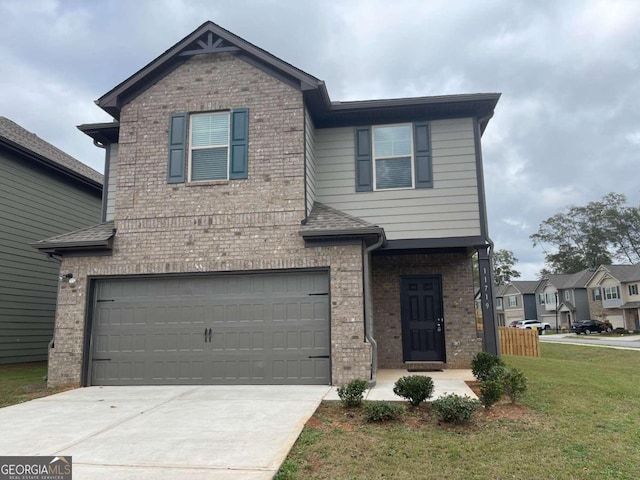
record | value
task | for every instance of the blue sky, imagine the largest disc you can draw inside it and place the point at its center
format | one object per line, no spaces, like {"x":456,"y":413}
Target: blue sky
{"x":566,"y":131}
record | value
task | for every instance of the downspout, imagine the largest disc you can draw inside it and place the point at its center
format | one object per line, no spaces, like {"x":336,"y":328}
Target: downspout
{"x":368,"y":307}
{"x":52,"y":342}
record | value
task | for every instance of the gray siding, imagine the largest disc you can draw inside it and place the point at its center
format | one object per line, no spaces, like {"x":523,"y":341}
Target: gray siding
{"x":449,"y":209}
{"x":309,"y":152}
{"x":582,"y":304}
{"x":34,"y":204}
{"x":112,"y":182}
{"x":530,"y":311}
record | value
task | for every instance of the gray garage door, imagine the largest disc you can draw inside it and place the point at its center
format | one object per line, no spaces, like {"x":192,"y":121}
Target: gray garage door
{"x":227,"y":329}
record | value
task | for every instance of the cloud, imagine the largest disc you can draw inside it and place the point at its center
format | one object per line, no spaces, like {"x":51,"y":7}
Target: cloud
{"x":566,"y":130}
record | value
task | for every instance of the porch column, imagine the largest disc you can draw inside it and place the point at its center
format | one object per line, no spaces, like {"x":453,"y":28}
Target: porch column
{"x":491,"y":344}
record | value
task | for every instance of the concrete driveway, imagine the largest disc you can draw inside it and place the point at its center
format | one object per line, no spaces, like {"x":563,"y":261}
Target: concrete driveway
{"x":152,"y":432}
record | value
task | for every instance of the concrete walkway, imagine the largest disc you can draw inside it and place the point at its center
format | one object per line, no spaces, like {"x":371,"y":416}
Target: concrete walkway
{"x":444,"y":382}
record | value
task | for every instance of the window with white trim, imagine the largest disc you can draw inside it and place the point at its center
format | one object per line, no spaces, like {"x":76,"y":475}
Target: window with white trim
{"x":596,"y":294}
{"x":393,"y":156}
{"x":499,"y":303}
{"x":209,"y":146}
{"x":633,"y":289}
{"x":512,"y":301}
{"x":567,"y":295}
{"x":541,"y":298}
{"x":551,"y":298}
{"x":611,"y":293}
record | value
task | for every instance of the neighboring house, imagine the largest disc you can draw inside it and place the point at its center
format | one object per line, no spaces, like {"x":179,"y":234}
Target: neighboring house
{"x":256,"y":232}
{"x":562,"y":298}
{"x":498,"y":291}
{"x":614,"y":295}
{"x":517,"y":301}
{"x":43,"y":192}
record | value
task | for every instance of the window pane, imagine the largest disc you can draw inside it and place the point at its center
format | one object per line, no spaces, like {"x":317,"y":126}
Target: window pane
{"x":209,"y":164}
{"x":393,"y":173}
{"x":210,"y":130}
{"x":392,"y":141}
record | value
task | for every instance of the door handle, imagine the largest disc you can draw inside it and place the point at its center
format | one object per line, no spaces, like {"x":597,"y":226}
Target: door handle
{"x":207,"y":335}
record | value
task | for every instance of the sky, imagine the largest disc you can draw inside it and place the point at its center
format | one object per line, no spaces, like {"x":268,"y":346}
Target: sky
{"x":565,"y":132}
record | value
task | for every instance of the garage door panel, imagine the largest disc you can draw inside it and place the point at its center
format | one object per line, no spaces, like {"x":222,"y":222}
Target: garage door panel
{"x":263,"y":330}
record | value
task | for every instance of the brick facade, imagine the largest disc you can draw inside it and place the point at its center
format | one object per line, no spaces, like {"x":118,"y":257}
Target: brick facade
{"x":461,"y":342}
{"x":239,"y":225}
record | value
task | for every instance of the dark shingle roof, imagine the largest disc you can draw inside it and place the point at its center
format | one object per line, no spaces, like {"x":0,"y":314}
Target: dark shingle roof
{"x":13,"y":133}
{"x":570,"y":280}
{"x":526,"y":286}
{"x":624,"y":273}
{"x":630,"y":305}
{"x":326,"y":219}
{"x":93,"y":236}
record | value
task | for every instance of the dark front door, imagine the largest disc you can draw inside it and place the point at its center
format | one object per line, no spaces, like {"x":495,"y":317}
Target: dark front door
{"x":422,"y":319}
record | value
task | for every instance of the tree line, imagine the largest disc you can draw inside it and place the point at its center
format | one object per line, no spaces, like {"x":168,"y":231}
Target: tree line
{"x":580,"y":237}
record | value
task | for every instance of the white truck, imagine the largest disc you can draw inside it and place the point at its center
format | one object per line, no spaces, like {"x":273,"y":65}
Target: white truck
{"x":530,"y":324}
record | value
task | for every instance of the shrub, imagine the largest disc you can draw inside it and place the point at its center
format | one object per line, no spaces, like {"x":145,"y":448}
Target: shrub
{"x":382,"y":411}
{"x":491,"y":392}
{"x":415,"y":388}
{"x":482,"y":364}
{"x":352,"y":393}
{"x":453,"y":408}
{"x":514,"y":383}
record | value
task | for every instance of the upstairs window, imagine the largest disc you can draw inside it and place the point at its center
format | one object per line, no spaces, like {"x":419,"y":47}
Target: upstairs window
{"x":209,"y":146}
{"x":611,"y":293}
{"x":512,"y":301}
{"x":567,"y":295}
{"x":541,"y":298}
{"x":499,"y":303}
{"x":596,"y":294}
{"x":633,"y":289}
{"x":392,"y":153}
{"x":392,"y":157}
{"x":551,"y":298}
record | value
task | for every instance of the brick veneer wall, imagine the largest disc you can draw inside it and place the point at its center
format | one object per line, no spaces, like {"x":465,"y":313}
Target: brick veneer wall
{"x":461,"y":342}
{"x":240,"y":225}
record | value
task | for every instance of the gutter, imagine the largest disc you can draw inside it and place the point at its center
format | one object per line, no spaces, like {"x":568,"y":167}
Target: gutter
{"x":368,"y":307}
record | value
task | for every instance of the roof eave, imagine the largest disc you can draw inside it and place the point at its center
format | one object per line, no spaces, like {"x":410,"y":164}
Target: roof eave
{"x":36,"y":157}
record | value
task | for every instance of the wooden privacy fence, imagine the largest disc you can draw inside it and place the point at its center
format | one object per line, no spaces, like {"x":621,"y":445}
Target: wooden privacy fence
{"x":519,"y":341}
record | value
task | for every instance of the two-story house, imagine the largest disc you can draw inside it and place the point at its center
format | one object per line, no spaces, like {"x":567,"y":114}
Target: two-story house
{"x":257,"y":232}
{"x":613,"y":295}
{"x":516,"y":301}
{"x":43,"y":192}
{"x":562,"y":298}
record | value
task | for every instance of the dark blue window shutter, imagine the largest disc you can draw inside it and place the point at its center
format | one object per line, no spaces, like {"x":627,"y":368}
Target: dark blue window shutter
{"x":177,"y":148}
{"x":239,"y":143}
{"x":364,"y":162}
{"x":422,"y":155}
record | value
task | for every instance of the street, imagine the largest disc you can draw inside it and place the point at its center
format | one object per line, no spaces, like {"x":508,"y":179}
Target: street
{"x":629,"y":342}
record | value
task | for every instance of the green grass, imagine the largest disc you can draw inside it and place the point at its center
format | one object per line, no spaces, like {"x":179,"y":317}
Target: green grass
{"x":582,"y":422}
{"x":20,"y":383}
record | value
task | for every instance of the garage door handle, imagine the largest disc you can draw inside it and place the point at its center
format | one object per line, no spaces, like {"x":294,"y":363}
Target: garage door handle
{"x":318,"y":356}
{"x":207,"y":335}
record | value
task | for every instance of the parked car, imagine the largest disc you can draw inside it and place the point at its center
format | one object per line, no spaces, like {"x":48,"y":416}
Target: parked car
{"x":590,"y":326}
{"x":514,"y":323}
{"x":530,"y":324}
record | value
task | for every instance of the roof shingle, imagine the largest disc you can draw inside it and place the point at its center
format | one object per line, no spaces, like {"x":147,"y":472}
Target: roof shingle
{"x":14,"y":133}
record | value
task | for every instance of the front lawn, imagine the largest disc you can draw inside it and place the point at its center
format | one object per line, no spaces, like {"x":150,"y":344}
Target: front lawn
{"x":19,"y":383}
{"x":579,"y":420}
